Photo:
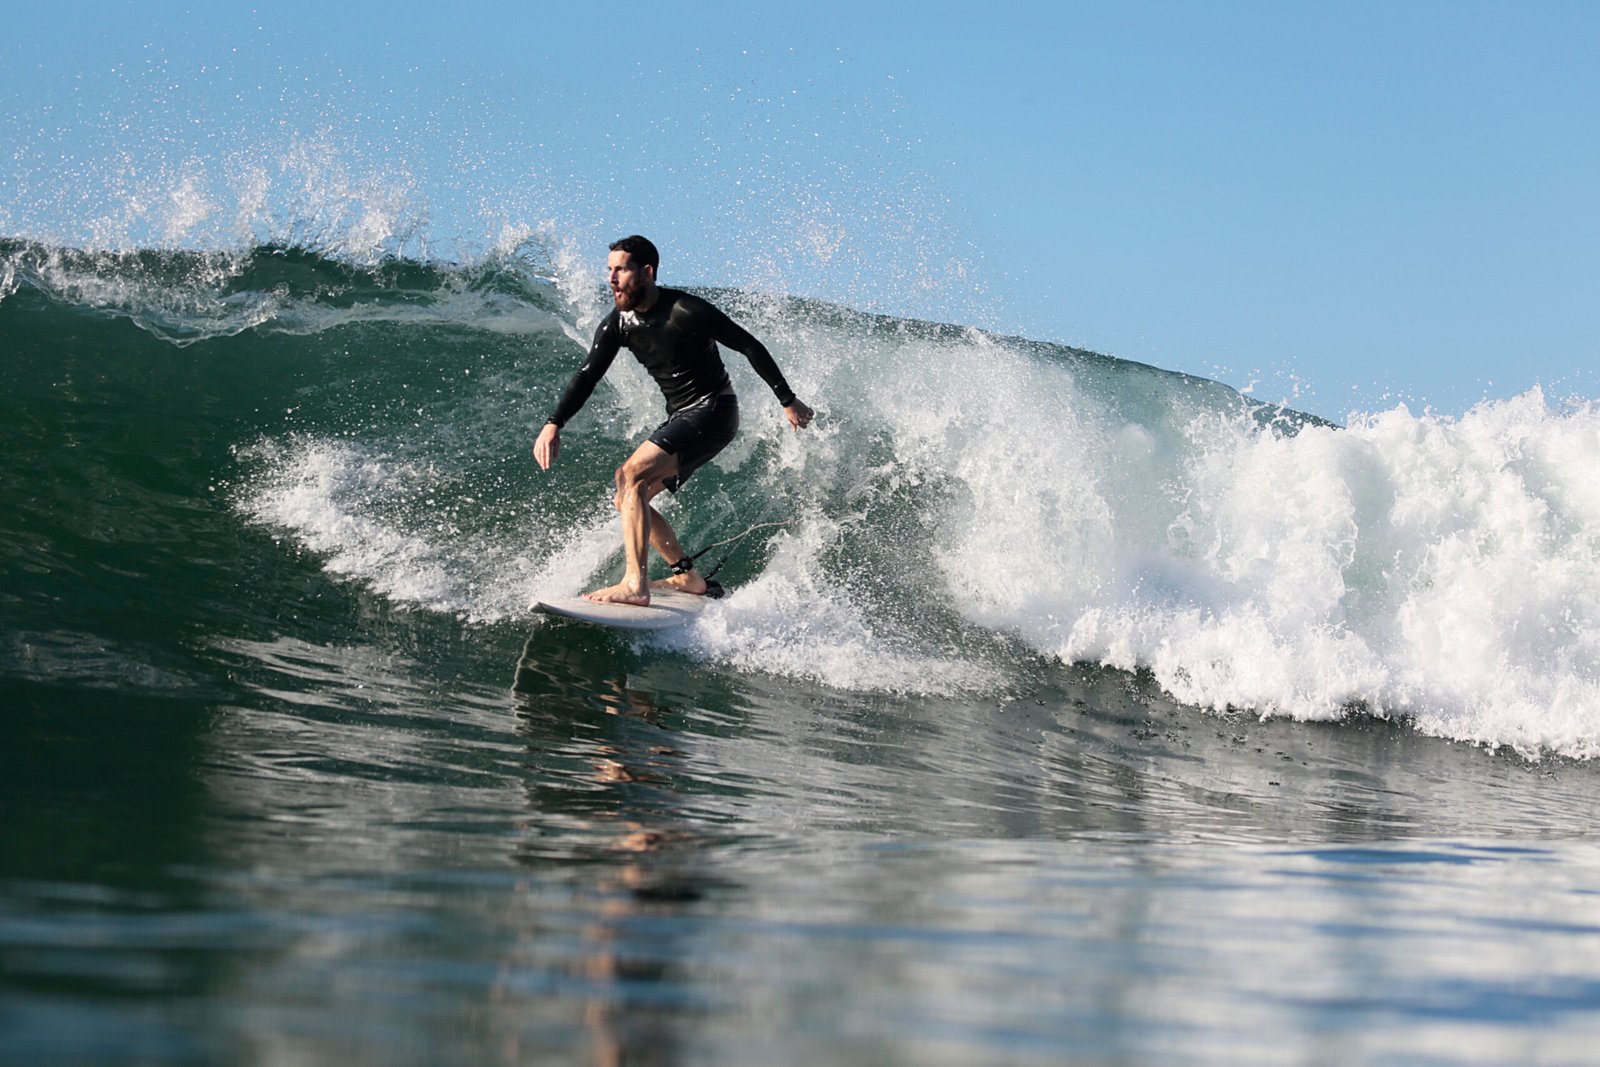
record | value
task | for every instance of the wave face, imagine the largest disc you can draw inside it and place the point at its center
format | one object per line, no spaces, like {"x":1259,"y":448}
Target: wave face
{"x":966,"y":506}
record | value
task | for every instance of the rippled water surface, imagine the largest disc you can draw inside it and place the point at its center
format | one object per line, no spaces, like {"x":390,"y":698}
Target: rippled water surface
{"x":491,"y":845}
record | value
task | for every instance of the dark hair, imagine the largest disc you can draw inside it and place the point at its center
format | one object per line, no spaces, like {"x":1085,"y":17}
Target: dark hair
{"x":643,"y":252}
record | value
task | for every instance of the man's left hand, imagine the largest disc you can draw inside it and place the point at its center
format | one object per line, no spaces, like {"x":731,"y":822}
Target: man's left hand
{"x":799,"y":415}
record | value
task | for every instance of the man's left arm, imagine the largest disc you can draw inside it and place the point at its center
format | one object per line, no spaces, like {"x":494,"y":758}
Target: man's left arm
{"x":730,"y":334}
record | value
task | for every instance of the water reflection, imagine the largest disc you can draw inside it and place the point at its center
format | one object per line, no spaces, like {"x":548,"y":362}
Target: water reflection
{"x":634,"y":858}
{"x":614,"y":802}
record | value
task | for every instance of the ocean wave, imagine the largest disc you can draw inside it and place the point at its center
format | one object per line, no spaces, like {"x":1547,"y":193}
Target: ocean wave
{"x":966,"y":504}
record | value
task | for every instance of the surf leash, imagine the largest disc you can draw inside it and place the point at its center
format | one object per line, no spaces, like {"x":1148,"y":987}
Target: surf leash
{"x":714,"y":589}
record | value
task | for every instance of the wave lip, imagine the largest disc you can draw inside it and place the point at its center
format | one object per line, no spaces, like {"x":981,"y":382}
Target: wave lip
{"x":184,"y":296}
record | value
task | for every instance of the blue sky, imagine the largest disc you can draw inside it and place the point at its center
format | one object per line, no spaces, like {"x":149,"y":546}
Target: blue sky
{"x":1347,"y":205}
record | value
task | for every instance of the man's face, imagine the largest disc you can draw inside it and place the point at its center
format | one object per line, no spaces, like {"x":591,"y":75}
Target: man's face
{"x":630,"y":283}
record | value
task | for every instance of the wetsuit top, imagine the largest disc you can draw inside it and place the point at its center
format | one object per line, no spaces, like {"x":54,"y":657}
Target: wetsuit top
{"x":676,"y":341}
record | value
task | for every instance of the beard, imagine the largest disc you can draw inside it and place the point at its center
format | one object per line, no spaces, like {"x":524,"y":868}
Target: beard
{"x":627,"y":298}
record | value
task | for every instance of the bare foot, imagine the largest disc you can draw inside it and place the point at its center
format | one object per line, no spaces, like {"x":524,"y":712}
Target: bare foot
{"x":683,"y":583}
{"x":620,"y":594}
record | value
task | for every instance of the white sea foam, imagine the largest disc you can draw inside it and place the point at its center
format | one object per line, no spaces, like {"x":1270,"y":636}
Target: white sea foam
{"x":1444,"y":570}
{"x":790,"y":621}
{"x":390,"y":523}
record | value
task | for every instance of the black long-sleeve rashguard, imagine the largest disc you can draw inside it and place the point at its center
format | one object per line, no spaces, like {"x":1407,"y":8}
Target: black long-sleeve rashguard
{"x":676,"y":341}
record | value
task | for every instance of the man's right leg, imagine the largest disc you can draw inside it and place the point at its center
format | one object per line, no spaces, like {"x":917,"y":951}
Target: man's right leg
{"x":639,"y":479}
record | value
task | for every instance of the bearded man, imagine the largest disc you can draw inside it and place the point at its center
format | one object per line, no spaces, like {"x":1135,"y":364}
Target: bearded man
{"x":675,"y":336}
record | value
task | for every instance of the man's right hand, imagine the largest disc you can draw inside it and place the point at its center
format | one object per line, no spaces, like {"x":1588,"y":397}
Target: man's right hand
{"x":548,"y":445}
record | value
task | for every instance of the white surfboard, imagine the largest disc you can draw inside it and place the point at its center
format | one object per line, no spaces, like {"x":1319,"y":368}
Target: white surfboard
{"x":667,"y":608}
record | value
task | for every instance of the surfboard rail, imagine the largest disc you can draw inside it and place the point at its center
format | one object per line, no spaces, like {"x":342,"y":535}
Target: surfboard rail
{"x":667,"y":609}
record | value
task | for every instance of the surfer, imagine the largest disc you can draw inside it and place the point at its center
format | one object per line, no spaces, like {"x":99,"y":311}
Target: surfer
{"x":675,"y":336}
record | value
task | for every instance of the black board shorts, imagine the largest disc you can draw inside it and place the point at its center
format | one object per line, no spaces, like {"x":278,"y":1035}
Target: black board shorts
{"x":696,"y":433}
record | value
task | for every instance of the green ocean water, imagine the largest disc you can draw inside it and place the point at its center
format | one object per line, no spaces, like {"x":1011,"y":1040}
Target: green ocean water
{"x":1027,"y":738}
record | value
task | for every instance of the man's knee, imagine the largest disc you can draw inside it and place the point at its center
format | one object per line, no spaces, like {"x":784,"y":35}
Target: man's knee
{"x":635,"y":479}
{"x":632,"y":476}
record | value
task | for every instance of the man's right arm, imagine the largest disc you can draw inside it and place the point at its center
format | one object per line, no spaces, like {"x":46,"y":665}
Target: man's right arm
{"x":607,"y":341}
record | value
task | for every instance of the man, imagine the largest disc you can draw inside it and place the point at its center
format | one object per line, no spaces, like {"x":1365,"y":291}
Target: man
{"x":675,"y":336}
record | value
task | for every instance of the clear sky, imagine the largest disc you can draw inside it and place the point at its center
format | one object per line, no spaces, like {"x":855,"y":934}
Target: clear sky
{"x":1346,"y":205}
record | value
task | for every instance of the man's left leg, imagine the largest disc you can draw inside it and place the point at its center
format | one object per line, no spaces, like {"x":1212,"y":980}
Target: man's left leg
{"x":693,"y":436}
{"x":664,"y":539}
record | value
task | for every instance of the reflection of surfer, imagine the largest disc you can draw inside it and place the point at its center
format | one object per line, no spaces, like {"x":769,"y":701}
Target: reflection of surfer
{"x":675,"y":336}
